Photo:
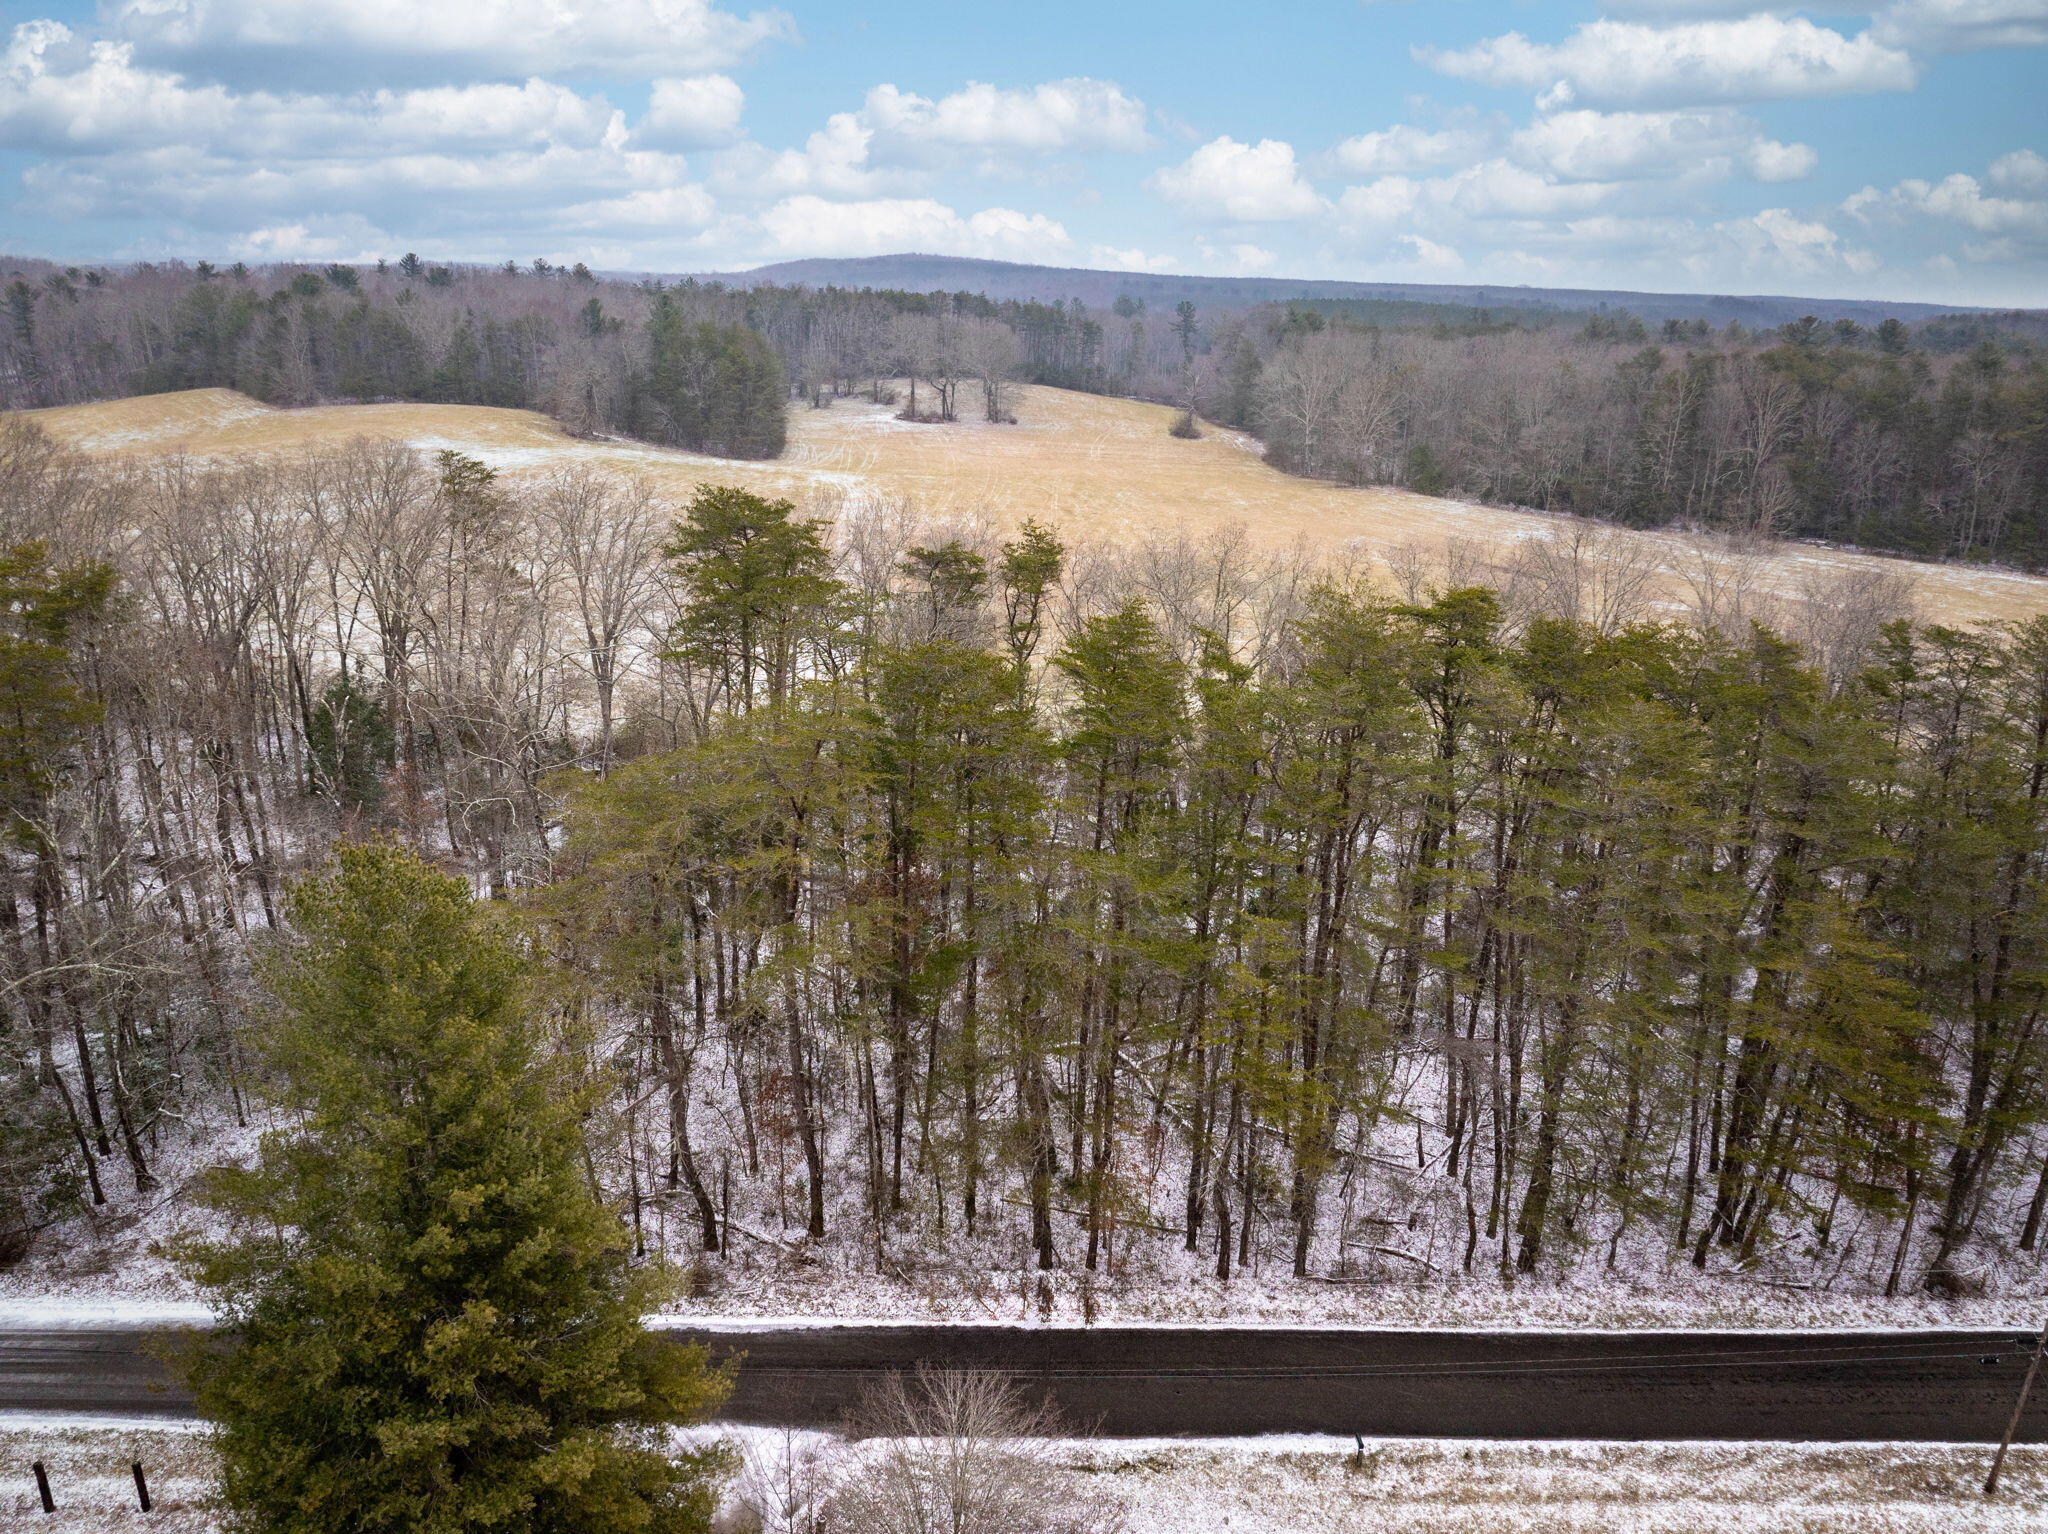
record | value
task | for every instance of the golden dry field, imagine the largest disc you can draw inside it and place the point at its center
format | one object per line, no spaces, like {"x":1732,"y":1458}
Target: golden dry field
{"x":1102,"y":470}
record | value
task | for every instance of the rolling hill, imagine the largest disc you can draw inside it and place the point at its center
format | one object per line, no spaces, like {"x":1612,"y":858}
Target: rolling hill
{"x":1018,"y":280}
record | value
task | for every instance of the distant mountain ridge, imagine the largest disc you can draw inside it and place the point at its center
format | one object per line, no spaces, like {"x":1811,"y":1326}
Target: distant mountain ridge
{"x":1098,"y":288}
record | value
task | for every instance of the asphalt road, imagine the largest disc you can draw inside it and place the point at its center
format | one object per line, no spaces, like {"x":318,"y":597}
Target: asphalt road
{"x":1627,"y":1385}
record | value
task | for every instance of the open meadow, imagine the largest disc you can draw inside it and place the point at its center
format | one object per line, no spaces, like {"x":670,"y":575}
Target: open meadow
{"x":1105,"y":471}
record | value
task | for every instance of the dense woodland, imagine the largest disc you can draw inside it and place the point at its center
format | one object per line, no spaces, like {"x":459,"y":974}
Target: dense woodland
{"x":923,"y":890}
{"x":1931,"y":441}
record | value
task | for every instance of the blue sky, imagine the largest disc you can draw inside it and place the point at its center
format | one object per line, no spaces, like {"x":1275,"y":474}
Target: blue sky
{"x":1900,"y":151}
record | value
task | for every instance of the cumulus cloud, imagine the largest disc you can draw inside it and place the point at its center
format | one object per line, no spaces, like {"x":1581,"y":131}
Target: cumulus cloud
{"x":1762,"y":57}
{"x":472,"y":169}
{"x":896,"y":139}
{"x":1239,"y":183}
{"x":1492,"y":189}
{"x":1405,"y":148}
{"x":1060,"y":115}
{"x":691,"y":113}
{"x":1133,"y":260}
{"x":1955,"y":26}
{"x":1378,"y":205}
{"x":424,"y":192}
{"x":833,"y":159}
{"x":1769,"y":160}
{"x":60,"y":94}
{"x":1657,"y":145}
{"x":262,"y":40}
{"x":1684,"y":9}
{"x":669,"y":207}
{"x":1961,"y":199}
{"x":319,"y":173}
{"x":345,"y":237}
{"x":2021,"y":171}
{"x":815,"y":226}
{"x":1779,"y":243}
{"x":1427,"y":255}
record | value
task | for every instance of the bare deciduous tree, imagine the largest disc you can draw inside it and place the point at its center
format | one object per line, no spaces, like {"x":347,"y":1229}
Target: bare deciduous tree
{"x":961,"y":1453}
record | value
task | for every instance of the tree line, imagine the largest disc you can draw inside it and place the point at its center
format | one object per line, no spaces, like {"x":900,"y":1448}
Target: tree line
{"x":679,"y":366}
{"x":1931,"y":442}
{"x":1812,"y":431}
{"x":915,"y":889}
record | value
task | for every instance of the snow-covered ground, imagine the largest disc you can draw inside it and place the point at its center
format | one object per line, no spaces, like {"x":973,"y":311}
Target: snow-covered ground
{"x":117,"y":1275}
{"x":1284,"y":1485}
{"x":97,"y":1267}
{"x":112,"y":1269}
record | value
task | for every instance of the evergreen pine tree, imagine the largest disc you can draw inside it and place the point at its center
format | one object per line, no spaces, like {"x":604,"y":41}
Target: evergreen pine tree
{"x":436,"y":1328}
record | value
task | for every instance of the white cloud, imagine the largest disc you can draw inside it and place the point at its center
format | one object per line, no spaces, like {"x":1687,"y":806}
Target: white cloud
{"x":2021,"y":171}
{"x":1520,"y":203}
{"x":691,"y":113}
{"x":249,"y":40}
{"x":1240,"y":183}
{"x":343,"y":238}
{"x":1499,"y":189}
{"x":1656,"y":145}
{"x":1076,"y":114}
{"x":1955,"y":199}
{"x":57,"y":92}
{"x":1769,"y":160}
{"x":1753,"y":58}
{"x":1955,"y":26}
{"x":473,"y":170}
{"x":1429,"y":256}
{"x":1685,"y":9}
{"x":1499,"y":222}
{"x":1130,"y":260}
{"x":833,"y":159}
{"x":62,"y":95}
{"x":814,"y":226}
{"x":517,"y":190}
{"x":895,"y":140}
{"x":1404,"y":148}
{"x":669,"y":207}
{"x":1378,"y":205}
{"x":1779,"y":243}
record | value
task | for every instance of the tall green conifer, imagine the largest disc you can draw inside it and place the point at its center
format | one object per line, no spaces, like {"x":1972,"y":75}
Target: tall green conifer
{"x":435,"y":1326}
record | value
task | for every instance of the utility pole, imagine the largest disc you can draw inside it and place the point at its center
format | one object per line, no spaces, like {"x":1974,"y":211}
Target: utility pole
{"x":2018,"y":1411}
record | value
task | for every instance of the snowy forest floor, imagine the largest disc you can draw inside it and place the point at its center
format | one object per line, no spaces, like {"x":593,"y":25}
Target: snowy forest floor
{"x":110,"y":1267}
{"x":1272,"y":1486}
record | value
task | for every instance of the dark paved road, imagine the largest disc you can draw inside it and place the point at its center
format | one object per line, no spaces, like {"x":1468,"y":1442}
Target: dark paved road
{"x":1640,"y":1385}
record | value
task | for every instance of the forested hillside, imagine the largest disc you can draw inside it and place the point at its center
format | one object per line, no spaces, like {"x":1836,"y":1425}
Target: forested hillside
{"x":1930,"y":441}
{"x":679,"y":367}
{"x":942,"y":901}
{"x":1164,"y":289}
